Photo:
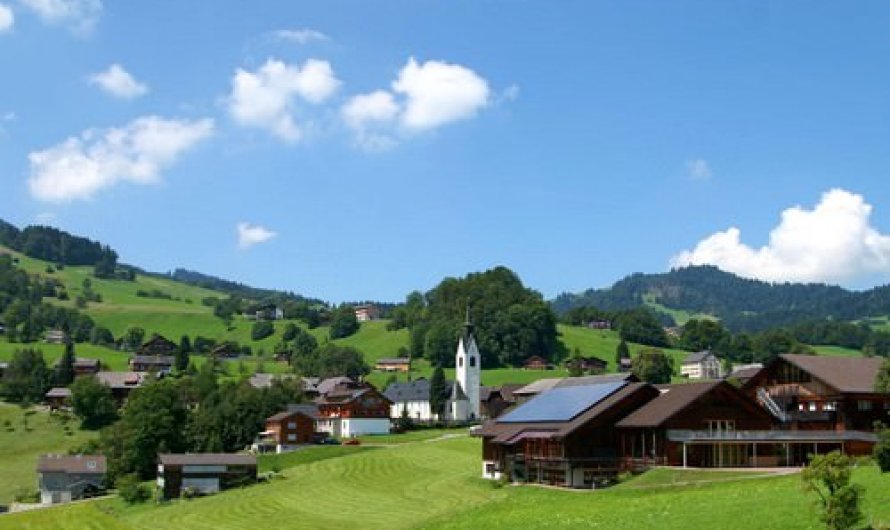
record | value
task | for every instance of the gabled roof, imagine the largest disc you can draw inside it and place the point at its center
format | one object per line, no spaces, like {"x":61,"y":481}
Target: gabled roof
{"x":122,"y":379}
{"x":537,"y":387}
{"x":417,"y":390}
{"x":158,"y":360}
{"x":394,"y":360}
{"x":84,"y":362}
{"x":310,"y":411}
{"x":672,"y":400}
{"x":207,"y":459}
{"x":542,"y":385}
{"x":80,"y":464}
{"x":697,"y":357}
{"x":846,"y":374}
{"x":59,"y":392}
{"x":326,"y":385}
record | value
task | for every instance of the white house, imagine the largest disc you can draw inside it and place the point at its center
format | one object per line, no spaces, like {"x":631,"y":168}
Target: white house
{"x":701,"y":365}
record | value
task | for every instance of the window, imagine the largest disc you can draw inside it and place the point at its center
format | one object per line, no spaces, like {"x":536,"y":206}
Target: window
{"x":472,"y":362}
{"x":812,"y":406}
{"x":829,"y":406}
{"x":460,"y":362}
{"x":291,"y":437}
{"x":291,"y":425}
{"x":887,"y":405}
{"x":864,"y":405}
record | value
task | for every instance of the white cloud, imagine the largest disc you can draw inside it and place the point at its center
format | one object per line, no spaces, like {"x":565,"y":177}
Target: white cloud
{"x":250,"y":235}
{"x":300,"y":36}
{"x":833,"y":242}
{"x":7,"y":18}
{"x":119,"y":83}
{"x":369,"y":116}
{"x":698,"y":169}
{"x":80,"y":16}
{"x":438,"y":93}
{"x":81,"y":166}
{"x":267,"y":98}
{"x":45,"y":218}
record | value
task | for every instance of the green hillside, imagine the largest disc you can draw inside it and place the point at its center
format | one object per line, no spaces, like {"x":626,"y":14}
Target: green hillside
{"x":435,"y":484}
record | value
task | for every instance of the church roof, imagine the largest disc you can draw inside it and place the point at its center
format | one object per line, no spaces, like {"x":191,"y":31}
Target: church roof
{"x":418,"y":390}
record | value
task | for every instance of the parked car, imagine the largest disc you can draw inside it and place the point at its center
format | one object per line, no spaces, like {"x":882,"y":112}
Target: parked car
{"x":352,"y":441}
{"x":330,"y":441}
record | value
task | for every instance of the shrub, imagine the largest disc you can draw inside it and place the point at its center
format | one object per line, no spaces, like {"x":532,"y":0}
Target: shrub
{"x":261,"y":330}
{"x":882,"y":449}
{"x":131,"y":490}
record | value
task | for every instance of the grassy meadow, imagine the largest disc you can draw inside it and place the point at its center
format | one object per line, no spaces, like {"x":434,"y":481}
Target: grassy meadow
{"x":435,"y":484}
{"x":26,"y":434}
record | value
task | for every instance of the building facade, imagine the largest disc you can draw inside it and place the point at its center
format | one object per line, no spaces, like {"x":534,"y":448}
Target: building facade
{"x":204,"y":473}
{"x":67,"y":478}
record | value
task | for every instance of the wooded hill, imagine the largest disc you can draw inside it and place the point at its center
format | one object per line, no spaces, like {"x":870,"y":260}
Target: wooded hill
{"x":741,"y":304}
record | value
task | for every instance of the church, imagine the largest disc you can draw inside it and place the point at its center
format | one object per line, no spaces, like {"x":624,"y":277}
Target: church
{"x":413,"y":397}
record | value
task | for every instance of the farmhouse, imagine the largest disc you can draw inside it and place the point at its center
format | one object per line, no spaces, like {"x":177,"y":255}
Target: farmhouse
{"x":58,"y":397}
{"x":625,"y":365}
{"x":366,"y":312}
{"x":593,"y":365}
{"x":157,"y":345}
{"x":67,"y":478}
{"x":122,"y":383}
{"x":744,"y":372}
{"x":398,"y":364}
{"x":226,"y":350}
{"x":564,"y":436}
{"x":55,"y":336}
{"x":536,"y":362}
{"x":204,"y":473}
{"x":151,"y":363}
{"x":494,"y":400}
{"x":86,"y":366}
{"x":350,"y":410}
{"x":701,"y":365}
{"x":286,"y":430}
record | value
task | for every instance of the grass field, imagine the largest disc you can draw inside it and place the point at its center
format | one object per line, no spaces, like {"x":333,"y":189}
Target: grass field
{"x":436,"y":485}
{"x":21,"y":443}
{"x":836,"y":351}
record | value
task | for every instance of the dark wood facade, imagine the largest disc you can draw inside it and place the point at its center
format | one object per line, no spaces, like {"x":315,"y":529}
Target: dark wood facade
{"x":291,"y":428}
{"x":204,"y":473}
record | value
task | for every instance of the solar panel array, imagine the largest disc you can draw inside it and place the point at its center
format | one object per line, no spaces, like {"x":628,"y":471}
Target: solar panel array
{"x":561,"y":403}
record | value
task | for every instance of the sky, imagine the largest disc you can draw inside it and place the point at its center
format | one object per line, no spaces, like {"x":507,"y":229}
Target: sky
{"x":355,"y":150}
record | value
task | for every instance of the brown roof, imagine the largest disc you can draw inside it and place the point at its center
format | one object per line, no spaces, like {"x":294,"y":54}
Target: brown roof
{"x":72,"y":464}
{"x":59,"y":391}
{"x":846,"y":374}
{"x":85,"y":362}
{"x":395,"y":360}
{"x":207,"y":459}
{"x":310,"y":411}
{"x":511,"y":432}
{"x":536,"y":387}
{"x":672,"y":400}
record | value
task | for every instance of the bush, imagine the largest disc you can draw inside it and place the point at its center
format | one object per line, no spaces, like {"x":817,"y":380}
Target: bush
{"x":131,"y":490}
{"x":882,"y":449}
{"x":261,"y":330}
{"x":26,"y":495}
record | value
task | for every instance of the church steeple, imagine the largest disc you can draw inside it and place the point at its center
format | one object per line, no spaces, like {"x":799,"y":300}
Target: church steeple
{"x":468,"y":324}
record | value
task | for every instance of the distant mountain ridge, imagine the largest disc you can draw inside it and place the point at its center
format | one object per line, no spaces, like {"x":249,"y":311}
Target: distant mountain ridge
{"x":741,"y":304}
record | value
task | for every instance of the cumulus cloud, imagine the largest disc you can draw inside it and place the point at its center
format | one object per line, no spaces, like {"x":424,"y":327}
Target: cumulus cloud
{"x":300,"y":36}
{"x":250,"y":235}
{"x":80,"y":16}
{"x":698,"y":169}
{"x":267,"y":98}
{"x":7,"y":19}
{"x":119,"y":83}
{"x":369,"y":116}
{"x":833,"y":242}
{"x":437,"y":93}
{"x":81,"y":166}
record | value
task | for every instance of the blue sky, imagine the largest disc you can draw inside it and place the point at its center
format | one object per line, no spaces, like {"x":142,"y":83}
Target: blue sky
{"x":371,"y":148}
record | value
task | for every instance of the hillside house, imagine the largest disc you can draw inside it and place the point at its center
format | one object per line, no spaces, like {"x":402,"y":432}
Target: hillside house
{"x":592,"y":365}
{"x":160,"y":364}
{"x":226,"y":350}
{"x":122,"y":383}
{"x":67,"y":478}
{"x":158,"y":345}
{"x":86,"y":366}
{"x":397,"y":364}
{"x":413,"y":398}
{"x":599,"y":324}
{"x":3,"y":367}
{"x":55,"y":336}
{"x":266,"y":312}
{"x":565,"y":436}
{"x":701,"y":365}
{"x":536,"y":362}
{"x":204,"y":473}
{"x":288,"y":429}
{"x":58,"y":398}
{"x":494,"y":400}
{"x":625,"y":365}
{"x":744,"y":372}
{"x":366,"y":312}
{"x":350,"y":410}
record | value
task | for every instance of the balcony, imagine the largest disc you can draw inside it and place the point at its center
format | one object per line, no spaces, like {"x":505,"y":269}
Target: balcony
{"x":691,"y":436}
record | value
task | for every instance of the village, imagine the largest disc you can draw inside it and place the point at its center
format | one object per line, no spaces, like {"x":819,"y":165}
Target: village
{"x":570,"y":432}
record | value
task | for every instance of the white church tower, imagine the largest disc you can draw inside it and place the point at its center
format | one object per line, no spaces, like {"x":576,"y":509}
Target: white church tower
{"x":468,"y":367}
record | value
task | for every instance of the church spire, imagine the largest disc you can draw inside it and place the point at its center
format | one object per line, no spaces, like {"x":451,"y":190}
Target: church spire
{"x":468,"y":325}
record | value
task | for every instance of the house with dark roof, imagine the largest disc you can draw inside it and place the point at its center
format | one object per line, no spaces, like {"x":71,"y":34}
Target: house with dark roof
{"x":226,"y":350}
{"x":157,"y":345}
{"x":564,"y":436}
{"x":86,"y":366}
{"x":288,"y":429}
{"x":536,"y":362}
{"x":395,"y":364}
{"x":701,"y":365}
{"x":122,"y":383}
{"x":413,"y":398}
{"x":204,"y":473}
{"x":593,"y":365}
{"x":824,"y":393}
{"x":698,"y":424}
{"x":58,"y":397}
{"x":744,"y":372}
{"x":494,"y":400}
{"x":352,"y":410}
{"x":151,"y":363}
{"x":64,"y":478}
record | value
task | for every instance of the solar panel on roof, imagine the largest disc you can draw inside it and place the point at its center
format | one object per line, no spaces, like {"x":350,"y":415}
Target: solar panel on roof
{"x":561,"y":403}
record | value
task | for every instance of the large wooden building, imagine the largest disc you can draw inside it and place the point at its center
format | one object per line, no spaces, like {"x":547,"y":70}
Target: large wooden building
{"x":204,"y":473}
{"x":353,"y":410}
{"x":287,"y":430}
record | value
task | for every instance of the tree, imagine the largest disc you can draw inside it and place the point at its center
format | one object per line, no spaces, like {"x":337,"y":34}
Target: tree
{"x":133,"y":338}
{"x":26,"y":379}
{"x":653,"y":366}
{"x":882,"y":448}
{"x":185,"y":345}
{"x":101,"y":336}
{"x":131,"y":489}
{"x":291,"y":331}
{"x":641,"y":326}
{"x":343,"y":322}
{"x":621,"y":352}
{"x":335,"y":360}
{"x":64,"y":373}
{"x":438,"y":392}
{"x":440,"y":344}
{"x":829,"y":477}
{"x":882,"y":381}
{"x":262,"y":329}
{"x":93,"y":403}
{"x":181,"y":357}
{"x":702,"y":334}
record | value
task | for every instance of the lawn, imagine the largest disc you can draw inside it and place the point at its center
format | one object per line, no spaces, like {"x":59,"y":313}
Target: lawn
{"x":435,"y":485}
{"x":21,"y":443}
{"x":837,"y":351}
{"x":421,"y":435}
